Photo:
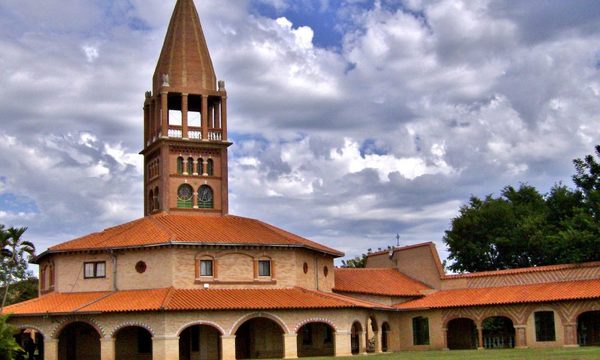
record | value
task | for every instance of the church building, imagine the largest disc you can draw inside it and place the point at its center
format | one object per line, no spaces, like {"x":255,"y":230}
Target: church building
{"x":190,"y":281}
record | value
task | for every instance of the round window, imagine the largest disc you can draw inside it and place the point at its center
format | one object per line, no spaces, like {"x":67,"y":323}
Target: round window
{"x":325,"y":271}
{"x":305,"y":267}
{"x":140,"y":267}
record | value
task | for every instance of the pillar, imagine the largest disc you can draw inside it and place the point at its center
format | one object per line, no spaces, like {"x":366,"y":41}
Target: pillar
{"x":146,"y":123}
{"x":224,"y":118}
{"x":217,"y":106}
{"x":228,"y":347}
{"x":290,"y":346}
{"x":520,"y":336}
{"x":377,"y":341}
{"x":362,"y":347}
{"x":50,"y":349}
{"x":107,"y":348}
{"x":204,"y":117}
{"x":195,"y":200}
{"x":343,"y":343}
{"x":185,"y":166}
{"x":480,"y":345}
{"x":164,"y":107}
{"x":165,"y":348}
{"x":570,"y":335}
{"x":445,"y":339}
{"x":184,"y":116}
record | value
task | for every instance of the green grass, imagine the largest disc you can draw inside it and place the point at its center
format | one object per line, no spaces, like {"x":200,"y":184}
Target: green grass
{"x":588,"y":353}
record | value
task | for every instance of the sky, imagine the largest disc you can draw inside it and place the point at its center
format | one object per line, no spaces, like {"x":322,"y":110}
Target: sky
{"x":352,"y":120}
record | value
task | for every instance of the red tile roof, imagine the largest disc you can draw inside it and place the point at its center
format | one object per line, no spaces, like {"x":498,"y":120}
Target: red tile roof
{"x":518,"y":294}
{"x":167,"y":229}
{"x":526,"y":270}
{"x":171,"y":299}
{"x":389,"y":282}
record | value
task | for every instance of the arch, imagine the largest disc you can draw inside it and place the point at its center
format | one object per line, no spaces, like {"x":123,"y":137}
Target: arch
{"x":385,"y":341}
{"x":185,"y":196}
{"x":79,"y":340}
{"x":27,"y":326}
{"x":205,"y":197}
{"x":131,"y":324}
{"x":200,"y":166}
{"x":315,"y":320}
{"x":588,"y":328}
{"x":594,"y":307}
{"x":315,"y":338}
{"x":259,"y":338}
{"x":190,"y":165}
{"x":545,"y":307}
{"x":498,"y":332}
{"x":32,"y":340}
{"x":180,"y":165}
{"x":133,"y":342}
{"x":68,"y":321}
{"x":356,"y":331}
{"x":448,"y":320}
{"x":269,"y":316}
{"x":201,"y":323}
{"x":462,"y":333}
{"x":210,"y":167}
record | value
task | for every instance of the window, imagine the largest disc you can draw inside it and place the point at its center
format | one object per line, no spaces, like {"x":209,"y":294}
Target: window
{"x":205,"y":197}
{"x":544,"y":326}
{"x":180,"y":165}
{"x":420,"y":330}
{"x":185,"y":195}
{"x":200,"y":166}
{"x":93,"y":270}
{"x":190,"y":166}
{"x":210,"y":167}
{"x":206,"y":268}
{"x":264,"y":267}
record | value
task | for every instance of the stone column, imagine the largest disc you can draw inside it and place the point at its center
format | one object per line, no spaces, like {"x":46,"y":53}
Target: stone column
{"x":343,"y":343}
{"x":445,"y":338}
{"x":228,"y":347}
{"x":218,"y":123}
{"x":165,"y":348}
{"x":50,"y":349}
{"x":570,"y":335}
{"x":480,"y":345}
{"x":520,"y":336}
{"x":377,"y":341}
{"x":107,"y":348}
{"x":185,"y":167}
{"x":184,"y":116}
{"x":290,"y":346}
{"x":204,"y":117}
{"x":195,"y":200}
{"x":164,"y":127}
{"x":224,"y":117}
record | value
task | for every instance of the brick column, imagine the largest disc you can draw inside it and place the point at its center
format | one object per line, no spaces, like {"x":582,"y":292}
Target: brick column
{"x":51,"y":349}
{"x":204,"y":117}
{"x":164,"y":100}
{"x":480,"y":345}
{"x":445,"y":338}
{"x":520,"y":336}
{"x":165,"y":348}
{"x":224,"y":117}
{"x":362,"y":347}
{"x":343,"y":343}
{"x":228,"y":347}
{"x":184,"y":116}
{"x":107,"y":348}
{"x":570,"y":335}
{"x":290,"y":346}
{"x":218,"y":123}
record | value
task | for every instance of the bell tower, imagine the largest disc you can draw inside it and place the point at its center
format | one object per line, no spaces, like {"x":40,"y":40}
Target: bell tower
{"x":185,"y":125}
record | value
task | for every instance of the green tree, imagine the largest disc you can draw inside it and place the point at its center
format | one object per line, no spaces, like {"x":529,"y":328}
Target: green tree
{"x":16,"y":253}
{"x":8,"y":345}
{"x":356,"y":262}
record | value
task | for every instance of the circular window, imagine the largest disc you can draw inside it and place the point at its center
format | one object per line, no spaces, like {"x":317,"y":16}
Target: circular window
{"x":325,"y":271}
{"x":140,"y":267}
{"x":305,"y":267}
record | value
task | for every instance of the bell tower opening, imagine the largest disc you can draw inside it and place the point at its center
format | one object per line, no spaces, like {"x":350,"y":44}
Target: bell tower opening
{"x":185,"y":124}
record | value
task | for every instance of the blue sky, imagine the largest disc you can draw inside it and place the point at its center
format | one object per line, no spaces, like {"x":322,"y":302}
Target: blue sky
{"x":352,"y":120}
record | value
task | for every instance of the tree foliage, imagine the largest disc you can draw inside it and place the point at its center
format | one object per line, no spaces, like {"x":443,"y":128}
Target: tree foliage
{"x":8,"y":344}
{"x":523,"y":227}
{"x":15,"y":254}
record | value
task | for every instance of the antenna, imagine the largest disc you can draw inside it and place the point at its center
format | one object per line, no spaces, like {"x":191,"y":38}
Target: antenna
{"x":397,"y":240}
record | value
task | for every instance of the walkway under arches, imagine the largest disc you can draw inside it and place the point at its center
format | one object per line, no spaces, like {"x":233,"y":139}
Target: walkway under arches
{"x":79,"y":341}
{"x":259,"y":338}
{"x":462,"y":334}
{"x":133,"y":342}
{"x":498,"y":333}
{"x":316,"y":339}
{"x":588,"y":329}
{"x":200,"y":342}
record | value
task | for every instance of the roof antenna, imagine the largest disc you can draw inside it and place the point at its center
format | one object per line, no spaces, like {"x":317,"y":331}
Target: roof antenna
{"x":397,"y":240}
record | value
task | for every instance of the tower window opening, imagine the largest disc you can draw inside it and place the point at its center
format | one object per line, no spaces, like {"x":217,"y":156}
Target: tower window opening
{"x":210,"y":167}
{"x":175,"y":118}
{"x":156,"y":199}
{"x":185,"y":195}
{"x":205,"y":197}
{"x":194,"y":109}
{"x":194,"y":119}
{"x":190,"y":166}
{"x":151,"y":201}
{"x":200,"y":166}
{"x":180,"y":165}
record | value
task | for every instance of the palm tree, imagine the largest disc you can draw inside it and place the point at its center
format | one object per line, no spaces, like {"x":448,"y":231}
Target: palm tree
{"x":14,"y":248}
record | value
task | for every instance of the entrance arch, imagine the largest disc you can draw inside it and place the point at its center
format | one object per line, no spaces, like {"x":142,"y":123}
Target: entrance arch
{"x":133,"y":342}
{"x":259,"y":338}
{"x":79,"y":341}
{"x":385,"y":341}
{"x":498,"y":333}
{"x":462,"y":334}
{"x":315,"y":339}
{"x":32,"y":342}
{"x":355,"y":337}
{"x":588,"y":328}
{"x":200,"y":341}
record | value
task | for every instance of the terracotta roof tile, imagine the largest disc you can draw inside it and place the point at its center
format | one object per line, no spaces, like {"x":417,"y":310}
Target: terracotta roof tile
{"x":170,"y":299}
{"x":532,"y":269}
{"x":388,"y":282}
{"x":518,"y":294}
{"x":164,"y":229}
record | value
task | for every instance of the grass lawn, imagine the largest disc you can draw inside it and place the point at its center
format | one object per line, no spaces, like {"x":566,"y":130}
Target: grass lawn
{"x":587,"y":353}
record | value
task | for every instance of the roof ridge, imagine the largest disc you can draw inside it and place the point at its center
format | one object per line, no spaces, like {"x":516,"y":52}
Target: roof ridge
{"x":172,"y":236}
{"x":167,"y":299}
{"x":522,"y":270}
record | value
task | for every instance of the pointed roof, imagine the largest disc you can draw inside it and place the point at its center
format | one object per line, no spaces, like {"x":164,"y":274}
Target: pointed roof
{"x":185,"y":57}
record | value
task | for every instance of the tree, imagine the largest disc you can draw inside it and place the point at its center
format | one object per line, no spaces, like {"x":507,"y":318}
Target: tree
{"x":16,"y":253}
{"x":523,"y":227}
{"x":8,"y":344}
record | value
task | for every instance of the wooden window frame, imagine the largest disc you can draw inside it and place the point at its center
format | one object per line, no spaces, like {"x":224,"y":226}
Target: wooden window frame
{"x":212,"y":268}
{"x":270,"y":268}
{"x":95,"y":265}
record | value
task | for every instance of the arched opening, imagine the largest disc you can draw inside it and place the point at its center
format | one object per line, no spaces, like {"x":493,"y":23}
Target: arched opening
{"x":355,"y":334}
{"x":385,"y":331}
{"x":259,"y":338}
{"x":588,"y":329}
{"x":315,"y":339}
{"x":205,"y":197}
{"x":79,"y":341}
{"x":200,"y":166}
{"x":200,"y":342}
{"x":32,"y":343}
{"x":133,"y":342}
{"x":185,"y":197}
{"x":180,"y":165}
{"x":371,"y":335}
{"x":462,"y":334}
{"x":190,"y":166}
{"x":210,"y":167}
{"x":156,"y":199}
{"x":151,"y":201}
{"x":498,"y":333}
